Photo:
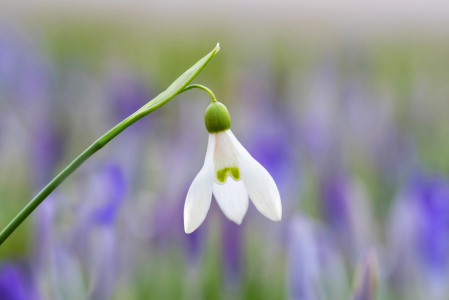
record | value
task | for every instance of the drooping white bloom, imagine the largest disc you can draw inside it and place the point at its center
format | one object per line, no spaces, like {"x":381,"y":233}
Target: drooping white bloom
{"x":231,"y":174}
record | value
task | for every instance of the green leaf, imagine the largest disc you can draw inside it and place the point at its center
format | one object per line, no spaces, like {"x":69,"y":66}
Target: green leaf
{"x":178,"y":85}
{"x":174,"y":89}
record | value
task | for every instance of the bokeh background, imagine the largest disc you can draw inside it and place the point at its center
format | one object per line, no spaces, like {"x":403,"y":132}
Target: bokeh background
{"x":345,"y":103}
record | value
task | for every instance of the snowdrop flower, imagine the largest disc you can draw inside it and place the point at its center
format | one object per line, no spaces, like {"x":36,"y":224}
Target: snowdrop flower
{"x":231,"y":174}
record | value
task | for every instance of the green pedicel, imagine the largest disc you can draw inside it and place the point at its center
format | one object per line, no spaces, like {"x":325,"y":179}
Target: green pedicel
{"x":217,"y":118}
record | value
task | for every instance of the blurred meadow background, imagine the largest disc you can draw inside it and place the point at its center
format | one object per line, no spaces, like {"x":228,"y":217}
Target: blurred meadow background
{"x":345,"y":104}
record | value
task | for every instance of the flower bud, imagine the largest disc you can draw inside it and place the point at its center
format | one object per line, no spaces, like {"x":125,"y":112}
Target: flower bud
{"x":217,"y":118}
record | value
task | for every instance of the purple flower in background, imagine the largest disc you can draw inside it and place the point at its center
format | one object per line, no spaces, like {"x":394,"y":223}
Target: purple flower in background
{"x":366,"y":278}
{"x":33,"y":85}
{"x":25,"y":77}
{"x":303,"y":261}
{"x":127,"y":93}
{"x":43,"y":231}
{"x":345,"y":208}
{"x":272,"y":142}
{"x":432,"y":232}
{"x":14,"y":284}
{"x":103,"y":257}
{"x":332,"y":262}
{"x":232,"y":251}
{"x":195,"y":244}
{"x":67,"y":276}
{"x":319,"y":126}
{"x":274,"y":147}
{"x":8,"y":60}
{"x":335,"y":191}
{"x":89,"y":253}
{"x":433,"y":198}
{"x":419,"y":239}
{"x":47,"y":152}
{"x":369,"y":125}
{"x":104,"y":263}
{"x":401,"y":239}
{"x":114,"y":190}
{"x":164,"y":219}
{"x":273,"y":150}
{"x":105,"y":191}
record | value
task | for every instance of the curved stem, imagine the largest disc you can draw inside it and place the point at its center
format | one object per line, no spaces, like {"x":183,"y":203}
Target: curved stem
{"x":97,"y":145}
{"x":198,"y":86}
{"x":177,"y":87}
{"x":33,"y":204}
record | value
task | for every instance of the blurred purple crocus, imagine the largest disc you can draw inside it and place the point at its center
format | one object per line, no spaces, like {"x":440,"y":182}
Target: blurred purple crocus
{"x":369,"y":125}
{"x":104,"y":267}
{"x":273,"y":146}
{"x":103,"y":240}
{"x":25,"y":78}
{"x":366,"y":278}
{"x":92,"y":247}
{"x":195,"y":244}
{"x":232,"y":236}
{"x":332,"y":262}
{"x":271,"y":142}
{"x":47,"y":152}
{"x":33,"y":86}
{"x":345,"y":207}
{"x":127,"y":93}
{"x":336,"y":204}
{"x":319,"y":130}
{"x":67,"y":274}
{"x":303,"y":261}
{"x":419,"y":237}
{"x":14,"y":284}
{"x":433,"y":227}
{"x":43,"y":231}
{"x":9,"y":59}
{"x":106,"y":189}
{"x":114,"y":185}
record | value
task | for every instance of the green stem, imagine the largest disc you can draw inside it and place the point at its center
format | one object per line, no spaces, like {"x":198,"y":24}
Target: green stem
{"x":97,"y":145}
{"x":177,"y":87}
{"x":47,"y":190}
{"x":198,"y":86}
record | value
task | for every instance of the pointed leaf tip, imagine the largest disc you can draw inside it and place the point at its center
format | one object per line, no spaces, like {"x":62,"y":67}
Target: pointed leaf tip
{"x":177,"y":86}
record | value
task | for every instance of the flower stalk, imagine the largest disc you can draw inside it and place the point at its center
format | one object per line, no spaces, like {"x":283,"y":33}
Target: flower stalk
{"x":177,"y":87}
{"x":202,"y":87}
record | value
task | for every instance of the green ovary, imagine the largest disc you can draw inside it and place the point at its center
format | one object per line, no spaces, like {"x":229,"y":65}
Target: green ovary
{"x":234,"y":171}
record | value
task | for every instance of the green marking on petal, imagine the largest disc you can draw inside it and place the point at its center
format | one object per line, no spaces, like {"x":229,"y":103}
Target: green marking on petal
{"x":234,"y":171}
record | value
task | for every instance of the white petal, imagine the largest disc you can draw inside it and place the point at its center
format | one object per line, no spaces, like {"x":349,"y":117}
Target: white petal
{"x":260,"y":185}
{"x":232,"y":198}
{"x":199,"y":195}
{"x":225,"y":160}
